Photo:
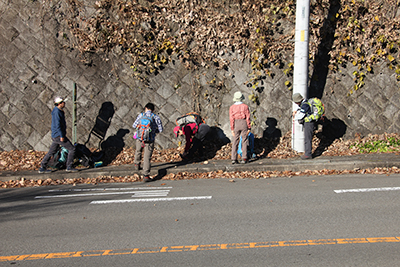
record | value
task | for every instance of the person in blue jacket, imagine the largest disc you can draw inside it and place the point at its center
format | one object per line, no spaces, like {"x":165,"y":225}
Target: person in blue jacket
{"x":58,"y":137}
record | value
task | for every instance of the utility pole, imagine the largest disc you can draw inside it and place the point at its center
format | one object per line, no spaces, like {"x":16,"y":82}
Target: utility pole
{"x":300,"y":71}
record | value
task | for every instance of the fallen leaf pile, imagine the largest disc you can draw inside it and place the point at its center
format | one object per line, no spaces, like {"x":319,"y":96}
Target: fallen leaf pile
{"x":44,"y":182}
{"x":273,"y":174}
{"x":19,"y":160}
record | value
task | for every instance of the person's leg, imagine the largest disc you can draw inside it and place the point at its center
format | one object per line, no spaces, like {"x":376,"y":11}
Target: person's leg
{"x":241,"y":127}
{"x":148,"y":152}
{"x":204,"y":133}
{"x":138,"y":152}
{"x":196,"y":144}
{"x":52,"y":150}
{"x":71,"y":152}
{"x":245,"y":143}
{"x":237,"y":130}
{"x":308,"y":134}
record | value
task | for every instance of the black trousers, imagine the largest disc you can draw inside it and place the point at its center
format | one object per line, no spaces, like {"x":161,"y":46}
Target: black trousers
{"x":53,"y":149}
{"x":308,"y":135}
{"x":198,"y":140}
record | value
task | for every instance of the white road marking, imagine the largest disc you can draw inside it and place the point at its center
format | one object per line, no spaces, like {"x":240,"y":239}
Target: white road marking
{"x":156,"y":192}
{"x":148,"y":200}
{"x":109,"y":189}
{"x":152,"y":194}
{"x":364,"y":190}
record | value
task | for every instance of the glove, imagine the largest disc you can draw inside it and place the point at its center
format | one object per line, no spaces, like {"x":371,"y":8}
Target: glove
{"x":301,"y":121}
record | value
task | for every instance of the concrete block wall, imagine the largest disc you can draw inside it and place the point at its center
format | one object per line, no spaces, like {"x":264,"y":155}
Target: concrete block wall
{"x":38,"y":62}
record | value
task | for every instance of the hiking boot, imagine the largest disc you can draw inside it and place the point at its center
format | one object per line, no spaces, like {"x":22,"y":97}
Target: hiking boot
{"x":147,"y":179}
{"x":44,"y":170}
{"x":184,"y":157}
{"x":235,"y":162}
{"x":305,"y":157}
{"x":244,"y":161}
{"x":70,"y":169}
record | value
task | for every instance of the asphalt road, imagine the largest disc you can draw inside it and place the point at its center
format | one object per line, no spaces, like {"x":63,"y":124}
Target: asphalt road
{"x":300,"y":221}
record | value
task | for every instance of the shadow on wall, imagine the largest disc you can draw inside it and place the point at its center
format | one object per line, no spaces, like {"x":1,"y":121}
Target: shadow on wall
{"x":322,"y":57}
{"x":331,"y":130}
{"x":102,"y":123}
{"x":212,"y":143}
{"x":215,"y":140}
{"x":270,"y":139}
{"x":262,"y":145}
{"x":113,"y":145}
{"x":272,"y":132}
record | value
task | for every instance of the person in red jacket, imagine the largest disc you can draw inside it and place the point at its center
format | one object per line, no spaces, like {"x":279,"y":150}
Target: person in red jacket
{"x":239,"y":117}
{"x":194,"y":135}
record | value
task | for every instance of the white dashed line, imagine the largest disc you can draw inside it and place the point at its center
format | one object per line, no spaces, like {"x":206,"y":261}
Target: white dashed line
{"x":366,"y":190}
{"x":149,"y":200}
{"x":138,"y":193}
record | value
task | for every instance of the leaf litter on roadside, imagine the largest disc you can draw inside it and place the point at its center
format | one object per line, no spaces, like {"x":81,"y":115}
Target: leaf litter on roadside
{"x":20,"y":160}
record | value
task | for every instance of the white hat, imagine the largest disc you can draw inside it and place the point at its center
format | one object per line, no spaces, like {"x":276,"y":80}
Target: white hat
{"x":59,"y":100}
{"x":237,"y":97}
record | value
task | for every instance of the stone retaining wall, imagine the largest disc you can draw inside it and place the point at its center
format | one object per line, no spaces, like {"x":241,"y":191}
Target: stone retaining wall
{"x":38,"y":62}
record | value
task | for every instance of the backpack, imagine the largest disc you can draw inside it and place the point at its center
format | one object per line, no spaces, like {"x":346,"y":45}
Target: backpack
{"x":144,"y":128}
{"x":83,"y":154}
{"x":59,"y":159}
{"x":191,"y":117}
{"x":317,"y":108}
{"x":250,"y":147}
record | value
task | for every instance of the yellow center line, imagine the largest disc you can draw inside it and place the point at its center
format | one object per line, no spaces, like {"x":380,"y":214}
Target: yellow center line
{"x":173,"y":249}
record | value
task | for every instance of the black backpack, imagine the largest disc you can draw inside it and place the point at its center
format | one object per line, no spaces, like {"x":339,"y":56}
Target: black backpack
{"x":84,"y":155}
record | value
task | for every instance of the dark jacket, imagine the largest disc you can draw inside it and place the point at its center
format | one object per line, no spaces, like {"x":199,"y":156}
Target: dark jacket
{"x":58,"y":124}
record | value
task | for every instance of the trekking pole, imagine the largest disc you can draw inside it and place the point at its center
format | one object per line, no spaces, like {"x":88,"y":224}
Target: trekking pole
{"x":293,"y":132}
{"x":74,"y":124}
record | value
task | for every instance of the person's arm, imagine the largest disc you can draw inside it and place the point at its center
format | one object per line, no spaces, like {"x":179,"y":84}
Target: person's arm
{"x":136,"y":123}
{"x":158,"y":122}
{"x":306,"y":110}
{"x":247,"y":113}
{"x":232,"y":120}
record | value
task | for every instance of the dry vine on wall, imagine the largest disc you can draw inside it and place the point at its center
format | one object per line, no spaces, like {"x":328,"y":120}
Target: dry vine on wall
{"x":200,"y":32}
